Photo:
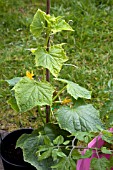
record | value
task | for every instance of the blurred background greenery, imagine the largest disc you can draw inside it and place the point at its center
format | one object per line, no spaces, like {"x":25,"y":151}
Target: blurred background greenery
{"x":89,"y":47}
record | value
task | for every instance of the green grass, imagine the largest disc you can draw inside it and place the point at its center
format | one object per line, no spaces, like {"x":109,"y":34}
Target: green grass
{"x":89,"y":47}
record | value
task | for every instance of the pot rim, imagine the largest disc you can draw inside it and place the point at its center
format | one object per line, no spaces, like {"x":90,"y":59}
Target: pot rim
{"x":4,"y":138}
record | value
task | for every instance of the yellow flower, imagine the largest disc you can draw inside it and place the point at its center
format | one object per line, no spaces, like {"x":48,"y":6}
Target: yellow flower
{"x":29,"y":75}
{"x":66,"y":101}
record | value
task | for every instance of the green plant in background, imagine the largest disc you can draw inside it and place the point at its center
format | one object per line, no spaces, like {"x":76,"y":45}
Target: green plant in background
{"x":65,"y":120}
{"x":107,"y":108}
{"x":87,"y":47}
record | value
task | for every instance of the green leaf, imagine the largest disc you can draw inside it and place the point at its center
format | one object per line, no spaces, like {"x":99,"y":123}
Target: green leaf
{"x":99,"y":164}
{"x":111,"y":162}
{"x":45,"y":154}
{"x":57,"y":24}
{"x":87,"y":154}
{"x":66,"y":142}
{"x":59,"y":140}
{"x":81,"y":118}
{"x":21,"y":140}
{"x":61,"y":25}
{"x":76,"y":154}
{"x":75,"y":90}
{"x":78,"y":102}
{"x":61,"y":164}
{"x":107,"y":136}
{"x":54,"y":24}
{"x":52,"y":60}
{"x":14,"y":81}
{"x":54,"y":154}
{"x":38,"y":23}
{"x":42,"y":149}
{"x":30,"y":93}
{"x":82,"y":136}
{"x":30,"y":144}
{"x":53,"y":130}
{"x":105,"y":150}
{"x":65,"y":163}
{"x":60,"y":154}
{"x":72,"y":163}
{"x":47,"y":141}
{"x":13,"y":103}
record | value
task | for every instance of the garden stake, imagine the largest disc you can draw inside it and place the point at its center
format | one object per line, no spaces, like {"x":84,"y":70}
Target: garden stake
{"x":47,"y":71}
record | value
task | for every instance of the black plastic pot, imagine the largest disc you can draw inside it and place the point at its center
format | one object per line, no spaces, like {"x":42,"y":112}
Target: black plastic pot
{"x":13,"y":158}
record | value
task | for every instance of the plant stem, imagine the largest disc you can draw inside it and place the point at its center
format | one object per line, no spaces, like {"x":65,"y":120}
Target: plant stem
{"x":44,"y":73}
{"x":97,"y":152}
{"x":59,"y":93}
{"x":47,"y":71}
{"x":48,"y":7}
{"x":73,"y":146}
{"x":40,"y":113}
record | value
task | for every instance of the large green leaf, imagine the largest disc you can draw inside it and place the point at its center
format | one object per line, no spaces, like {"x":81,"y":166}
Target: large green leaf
{"x":54,"y":24}
{"x":30,"y":93}
{"x":29,"y":145}
{"x":38,"y":23}
{"x":13,"y":104}
{"x":81,"y":118}
{"x":51,"y":60}
{"x":99,"y":164}
{"x":75,"y":90}
{"x":13,"y":81}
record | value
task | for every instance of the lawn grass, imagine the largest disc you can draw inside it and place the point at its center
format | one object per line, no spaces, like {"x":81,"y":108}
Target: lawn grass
{"x":89,"y":48}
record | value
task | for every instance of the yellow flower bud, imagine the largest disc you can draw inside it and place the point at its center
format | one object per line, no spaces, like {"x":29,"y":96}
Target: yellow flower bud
{"x":29,"y":75}
{"x":66,"y":101}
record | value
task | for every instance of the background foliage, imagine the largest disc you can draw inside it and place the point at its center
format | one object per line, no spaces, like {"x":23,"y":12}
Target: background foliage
{"x":89,"y":48}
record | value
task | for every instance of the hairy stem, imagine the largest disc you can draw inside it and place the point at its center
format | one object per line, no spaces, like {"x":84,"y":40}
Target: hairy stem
{"x":59,"y":93}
